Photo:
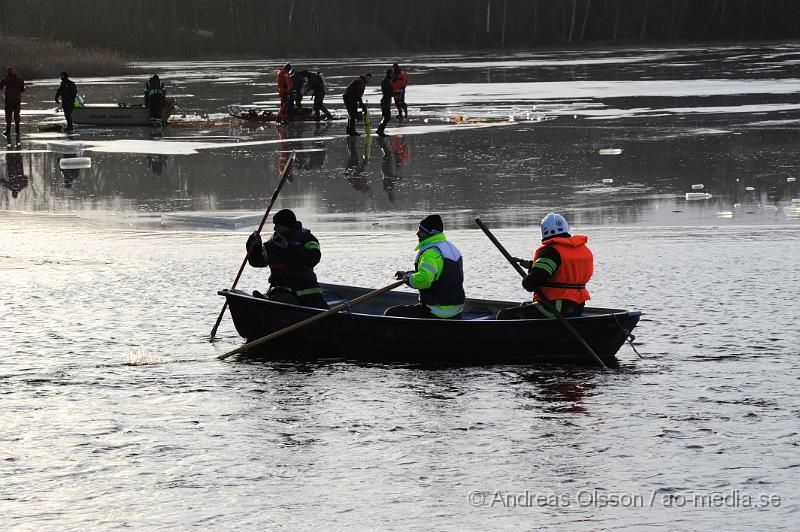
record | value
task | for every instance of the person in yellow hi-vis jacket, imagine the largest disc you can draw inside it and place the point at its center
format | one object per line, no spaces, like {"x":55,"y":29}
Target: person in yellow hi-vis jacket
{"x":438,"y":275}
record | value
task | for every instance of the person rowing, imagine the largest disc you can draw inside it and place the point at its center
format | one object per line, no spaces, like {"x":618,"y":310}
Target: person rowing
{"x":560,"y":269}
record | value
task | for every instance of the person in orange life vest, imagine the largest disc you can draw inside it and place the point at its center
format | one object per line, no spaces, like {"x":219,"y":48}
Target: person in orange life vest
{"x":560,"y":269}
{"x":291,"y":255}
{"x":399,"y":82}
{"x":352,"y":97}
{"x":286,"y":112}
{"x":438,"y":275}
{"x":14,"y":86}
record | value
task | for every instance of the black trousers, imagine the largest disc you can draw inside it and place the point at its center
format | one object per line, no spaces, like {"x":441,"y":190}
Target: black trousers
{"x":531,"y":310}
{"x":68,"y":113}
{"x":415,"y":311}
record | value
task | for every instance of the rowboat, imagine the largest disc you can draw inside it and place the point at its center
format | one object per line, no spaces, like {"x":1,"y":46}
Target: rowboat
{"x":363,"y":332}
{"x":119,"y":114}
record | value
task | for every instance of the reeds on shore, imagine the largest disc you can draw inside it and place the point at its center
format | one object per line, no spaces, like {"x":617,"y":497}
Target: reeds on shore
{"x":42,"y":58}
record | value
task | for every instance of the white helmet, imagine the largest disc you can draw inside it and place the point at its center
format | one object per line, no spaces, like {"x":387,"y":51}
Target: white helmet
{"x":554,"y":224}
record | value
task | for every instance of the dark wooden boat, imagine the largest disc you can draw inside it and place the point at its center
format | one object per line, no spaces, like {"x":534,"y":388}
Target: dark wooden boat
{"x":364,"y":333}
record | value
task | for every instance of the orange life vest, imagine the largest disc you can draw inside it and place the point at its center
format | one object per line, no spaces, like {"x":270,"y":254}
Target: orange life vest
{"x":577,"y":265}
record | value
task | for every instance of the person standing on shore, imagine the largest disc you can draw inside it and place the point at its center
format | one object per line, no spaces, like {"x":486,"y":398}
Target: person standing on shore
{"x":14,"y":86}
{"x":387,"y":89}
{"x":353,"y":100}
{"x":67,"y":91}
{"x":400,"y":80}
{"x":154,"y":97}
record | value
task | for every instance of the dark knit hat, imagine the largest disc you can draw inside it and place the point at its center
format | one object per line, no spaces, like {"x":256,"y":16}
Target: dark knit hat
{"x":432,"y":224}
{"x":284,"y":217}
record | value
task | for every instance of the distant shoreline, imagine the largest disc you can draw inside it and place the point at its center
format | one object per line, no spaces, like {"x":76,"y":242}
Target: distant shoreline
{"x":44,"y":59}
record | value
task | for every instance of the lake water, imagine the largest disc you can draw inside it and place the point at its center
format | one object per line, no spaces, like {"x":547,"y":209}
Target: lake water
{"x":116,"y":412}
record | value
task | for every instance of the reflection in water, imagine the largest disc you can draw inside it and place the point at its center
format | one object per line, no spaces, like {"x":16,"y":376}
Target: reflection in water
{"x":15,"y":179}
{"x":69,"y":174}
{"x":354,"y":171}
{"x":157,"y":163}
{"x":394,"y":156}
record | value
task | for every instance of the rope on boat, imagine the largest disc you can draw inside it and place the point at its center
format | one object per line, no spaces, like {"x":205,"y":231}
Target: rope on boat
{"x":629,"y":337}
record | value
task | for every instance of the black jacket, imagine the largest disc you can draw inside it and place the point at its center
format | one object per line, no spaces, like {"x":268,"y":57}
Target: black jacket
{"x":292,"y":267}
{"x":68,"y":91}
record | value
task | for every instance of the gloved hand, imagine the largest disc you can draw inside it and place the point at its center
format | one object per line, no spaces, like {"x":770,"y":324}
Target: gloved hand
{"x":401,"y":275}
{"x":254,"y":240}
{"x":524,"y":263}
{"x":279,"y":241}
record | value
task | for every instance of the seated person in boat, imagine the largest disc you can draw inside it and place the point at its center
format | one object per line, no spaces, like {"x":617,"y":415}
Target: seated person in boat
{"x":291,"y":255}
{"x":560,"y":269}
{"x":438,"y":275}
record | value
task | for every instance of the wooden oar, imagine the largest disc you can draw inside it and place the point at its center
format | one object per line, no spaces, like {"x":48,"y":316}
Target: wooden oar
{"x":546,"y":302}
{"x":312,"y":319}
{"x":284,"y":175}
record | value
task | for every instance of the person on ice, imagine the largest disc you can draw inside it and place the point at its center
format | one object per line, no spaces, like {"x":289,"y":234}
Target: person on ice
{"x":14,"y":86}
{"x":155,"y":95}
{"x":400,"y":81}
{"x":316,"y":84}
{"x":387,"y":90}
{"x":67,"y":92}
{"x":291,"y":255}
{"x":438,"y":275}
{"x":353,"y":100}
{"x":560,"y":269}
{"x":285,"y":114}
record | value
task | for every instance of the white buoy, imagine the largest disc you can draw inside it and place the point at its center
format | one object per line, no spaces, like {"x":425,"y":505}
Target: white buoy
{"x":698,"y":186}
{"x":74,"y":162}
{"x":690,"y":196}
{"x":610,"y":151}
{"x":608,"y":181}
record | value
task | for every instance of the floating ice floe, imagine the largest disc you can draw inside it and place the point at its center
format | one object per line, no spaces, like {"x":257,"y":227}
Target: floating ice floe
{"x":724,"y":214}
{"x":610,"y":151}
{"x":227,"y":220}
{"x":790,"y":179}
{"x":608,"y":181}
{"x":74,"y":162}
{"x":749,"y":189}
{"x":65,"y":146}
{"x":698,"y":186}
{"x":691,"y":196}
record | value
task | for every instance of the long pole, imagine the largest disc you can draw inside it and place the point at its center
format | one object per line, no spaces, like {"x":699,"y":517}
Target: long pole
{"x":312,"y":319}
{"x":287,"y":169}
{"x":546,"y":302}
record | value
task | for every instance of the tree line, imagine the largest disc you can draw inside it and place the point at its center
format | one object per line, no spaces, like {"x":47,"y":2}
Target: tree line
{"x":288,"y":28}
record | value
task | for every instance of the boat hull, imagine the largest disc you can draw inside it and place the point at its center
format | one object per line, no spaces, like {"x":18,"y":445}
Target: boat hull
{"x":118,"y":115}
{"x":477,"y":339}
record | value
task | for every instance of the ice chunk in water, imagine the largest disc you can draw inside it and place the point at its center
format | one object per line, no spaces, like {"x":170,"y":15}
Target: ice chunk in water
{"x":790,"y":179}
{"x":690,"y":196}
{"x":749,"y":189}
{"x":610,"y":151}
{"x":724,"y":214}
{"x":698,"y":186}
{"x":75,"y":162}
{"x":607,"y":181}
